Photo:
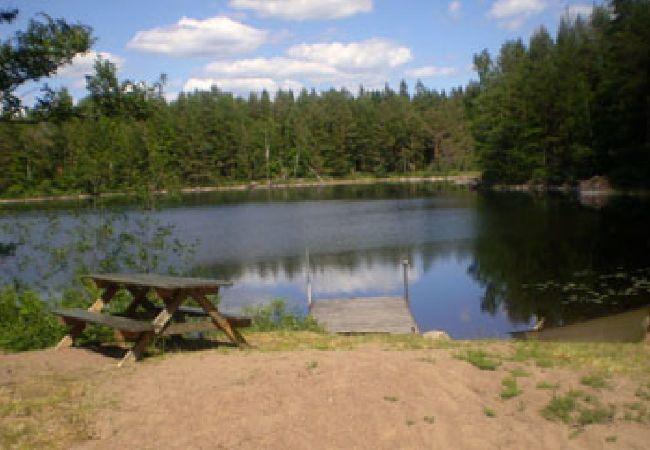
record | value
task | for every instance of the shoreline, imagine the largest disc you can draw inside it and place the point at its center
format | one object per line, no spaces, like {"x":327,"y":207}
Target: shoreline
{"x":460,"y":180}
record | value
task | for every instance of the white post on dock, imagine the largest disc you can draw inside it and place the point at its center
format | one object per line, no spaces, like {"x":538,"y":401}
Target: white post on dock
{"x":405,"y":264}
{"x":307,"y":263}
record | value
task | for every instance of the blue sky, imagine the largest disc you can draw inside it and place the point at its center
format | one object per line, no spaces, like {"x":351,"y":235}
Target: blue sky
{"x":243,"y":45}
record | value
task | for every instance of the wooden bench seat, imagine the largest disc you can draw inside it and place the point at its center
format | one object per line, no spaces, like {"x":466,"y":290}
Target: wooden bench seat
{"x":192,"y":311}
{"x":72,"y":315}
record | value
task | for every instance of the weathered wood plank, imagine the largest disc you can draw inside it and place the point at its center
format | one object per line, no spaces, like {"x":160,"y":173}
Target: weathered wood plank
{"x":155,"y":281}
{"x":121,"y":323}
{"x":76,"y":329}
{"x":364,"y":315}
{"x":192,"y":311}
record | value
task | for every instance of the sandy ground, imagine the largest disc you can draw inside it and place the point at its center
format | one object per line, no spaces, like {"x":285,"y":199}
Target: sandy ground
{"x":360,"y":399}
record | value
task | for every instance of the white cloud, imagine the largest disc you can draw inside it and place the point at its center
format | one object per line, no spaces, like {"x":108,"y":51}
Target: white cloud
{"x":333,"y":64}
{"x":513,"y":13}
{"x":215,"y":36}
{"x":84,"y":64}
{"x":454,"y":8}
{"x":364,"y":55}
{"x":305,"y":9}
{"x":276,"y":67}
{"x":431,"y":71}
{"x":241,"y":84}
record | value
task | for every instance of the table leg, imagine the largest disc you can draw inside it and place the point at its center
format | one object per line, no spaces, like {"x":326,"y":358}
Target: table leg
{"x":139,"y":298}
{"x":159,"y":323}
{"x":220,"y":321}
{"x":76,"y":329}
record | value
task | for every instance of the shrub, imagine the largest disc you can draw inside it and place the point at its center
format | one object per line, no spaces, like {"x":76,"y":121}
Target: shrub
{"x":25,"y":323}
{"x":275,"y":316}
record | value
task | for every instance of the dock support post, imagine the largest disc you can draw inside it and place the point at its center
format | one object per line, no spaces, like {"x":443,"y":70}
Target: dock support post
{"x":405,"y":264}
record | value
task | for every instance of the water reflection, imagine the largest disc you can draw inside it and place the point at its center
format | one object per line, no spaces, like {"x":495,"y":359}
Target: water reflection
{"x":482,"y":264}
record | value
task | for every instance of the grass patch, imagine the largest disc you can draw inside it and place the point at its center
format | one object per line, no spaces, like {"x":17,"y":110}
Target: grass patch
{"x":288,"y":340}
{"x":547,"y":385}
{"x":598,"y":414}
{"x":636,"y":412}
{"x":275,"y":316}
{"x":577,"y":409}
{"x":311,"y":365}
{"x":429,"y":419}
{"x":48,"y":412}
{"x":612,"y":438}
{"x":561,"y":407}
{"x":518,"y":372}
{"x":391,"y":398}
{"x":410,"y":423}
{"x":595,"y":381}
{"x":489,"y":412}
{"x":610,"y":358}
{"x":480,"y":359}
{"x":510,"y":388}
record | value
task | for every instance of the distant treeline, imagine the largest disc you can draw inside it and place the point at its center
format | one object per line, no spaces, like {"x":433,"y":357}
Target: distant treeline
{"x":566,"y":108}
{"x":124,"y":135}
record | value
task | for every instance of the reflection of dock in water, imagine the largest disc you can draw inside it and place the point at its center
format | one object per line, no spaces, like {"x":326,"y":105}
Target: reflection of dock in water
{"x":364,"y":315}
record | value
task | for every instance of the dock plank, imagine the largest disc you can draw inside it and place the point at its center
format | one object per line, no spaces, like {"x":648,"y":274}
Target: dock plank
{"x":364,"y":315}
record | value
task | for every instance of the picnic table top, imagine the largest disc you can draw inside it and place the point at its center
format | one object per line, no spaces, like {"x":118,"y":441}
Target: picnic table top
{"x":157,"y":281}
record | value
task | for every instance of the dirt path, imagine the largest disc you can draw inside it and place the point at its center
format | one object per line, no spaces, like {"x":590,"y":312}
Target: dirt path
{"x":365,"y":398}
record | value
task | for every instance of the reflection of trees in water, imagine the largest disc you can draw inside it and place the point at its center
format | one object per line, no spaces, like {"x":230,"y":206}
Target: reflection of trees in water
{"x":49,"y":251}
{"x":350,"y":192}
{"x":293,"y":267}
{"x":523,"y":241}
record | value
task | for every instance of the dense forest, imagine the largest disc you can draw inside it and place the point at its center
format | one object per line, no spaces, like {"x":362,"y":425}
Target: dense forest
{"x":124,"y":135}
{"x":566,"y":108}
{"x":557,"y":110}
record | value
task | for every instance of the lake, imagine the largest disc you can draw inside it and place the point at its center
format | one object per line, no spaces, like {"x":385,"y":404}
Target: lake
{"x":481,"y":263}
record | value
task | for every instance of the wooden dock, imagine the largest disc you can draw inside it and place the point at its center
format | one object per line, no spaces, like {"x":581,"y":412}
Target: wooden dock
{"x":365,"y":315}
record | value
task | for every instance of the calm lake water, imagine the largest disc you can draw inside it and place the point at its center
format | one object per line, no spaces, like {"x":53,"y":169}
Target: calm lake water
{"x":482,"y":264}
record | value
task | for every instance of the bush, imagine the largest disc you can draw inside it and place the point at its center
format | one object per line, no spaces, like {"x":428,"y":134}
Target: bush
{"x":275,"y":316}
{"x":25,"y":323}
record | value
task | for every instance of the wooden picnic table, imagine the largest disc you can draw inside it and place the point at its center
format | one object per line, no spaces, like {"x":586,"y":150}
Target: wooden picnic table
{"x":143,"y":319}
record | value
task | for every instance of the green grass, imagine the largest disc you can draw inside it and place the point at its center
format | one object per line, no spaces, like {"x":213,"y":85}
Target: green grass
{"x":578,"y":409}
{"x":610,"y":358}
{"x":547,"y":385}
{"x":561,"y":407}
{"x":510,"y":388}
{"x":429,"y":419}
{"x":612,"y":438}
{"x":489,"y":412}
{"x":311,"y":365}
{"x":391,"y":398}
{"x":518,"y":372}
{"x":479,"y":358}
{"x":596,"y":381}
{"x":410,"y":423}
{"x":598,"y":414}
{"x":636,"y":412}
